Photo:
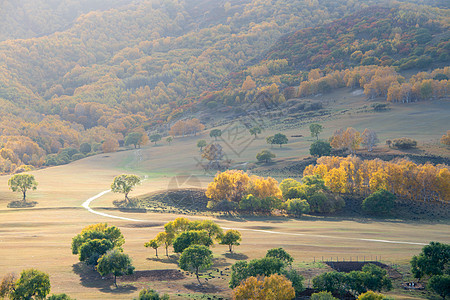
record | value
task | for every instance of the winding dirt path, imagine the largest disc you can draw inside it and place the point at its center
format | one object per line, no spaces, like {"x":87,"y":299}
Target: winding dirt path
{"x":88,"y":202}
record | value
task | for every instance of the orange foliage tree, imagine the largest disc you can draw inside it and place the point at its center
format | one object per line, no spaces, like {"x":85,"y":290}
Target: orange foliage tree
{"x":264,"y":288}
{"x":402,"y":177}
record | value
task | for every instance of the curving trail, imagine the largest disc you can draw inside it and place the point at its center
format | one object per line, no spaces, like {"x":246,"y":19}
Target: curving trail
{"x":88,"y":202}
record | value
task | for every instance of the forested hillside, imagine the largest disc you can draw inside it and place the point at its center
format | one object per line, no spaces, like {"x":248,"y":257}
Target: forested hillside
{"x":125,"y":66}
{"x":20,"y":19}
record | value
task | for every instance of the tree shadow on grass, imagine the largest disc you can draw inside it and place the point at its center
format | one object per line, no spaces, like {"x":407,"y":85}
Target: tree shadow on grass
{"x":235,"y":256}
{"x":205,"y":288}
{"x":91,"y":279}
{"x":172,"y":259}
{"x":220,"y":262}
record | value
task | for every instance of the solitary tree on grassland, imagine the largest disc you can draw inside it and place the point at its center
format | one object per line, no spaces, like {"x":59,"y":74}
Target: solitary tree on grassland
{"x":136,"y":139}
{"x":201,"y":144}
{"x":265,"y":156}
{"x":22,"y":183}
{"x":154,"y":138}
{"x":315,"y":129}
{"x":195,"y":257}
{"x":277,"y":139}
{"x":169,"y":140}
{"x":124,"y":184}
{"x":255,"y":131}
{"x":115,"y":262}
{"x":215,"y":133}
{"x":230,"y":238}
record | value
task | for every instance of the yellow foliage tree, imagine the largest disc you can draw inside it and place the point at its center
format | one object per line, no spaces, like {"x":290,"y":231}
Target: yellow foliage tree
{"x":445,"y":139}
{"x":274,"y":287}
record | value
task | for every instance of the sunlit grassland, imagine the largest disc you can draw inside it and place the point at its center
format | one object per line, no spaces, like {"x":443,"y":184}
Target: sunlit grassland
{"x":40,"y":237}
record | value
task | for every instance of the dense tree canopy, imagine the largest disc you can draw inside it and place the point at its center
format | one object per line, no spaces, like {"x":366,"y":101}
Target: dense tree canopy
{"x":31,"y":284}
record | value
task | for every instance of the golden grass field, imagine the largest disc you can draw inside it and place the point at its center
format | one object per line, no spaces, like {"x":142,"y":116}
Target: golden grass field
{"x":40,"y":237}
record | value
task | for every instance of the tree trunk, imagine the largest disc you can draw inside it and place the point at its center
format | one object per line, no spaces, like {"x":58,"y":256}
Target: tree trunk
{"x":231,"y":248}
{"x":167,"y":251}
{"x":115,"y":280}
{"x":24,"y":195}
{"x":126,"y":198}
{"x":156,"y":249}
{"x":198,"y":278}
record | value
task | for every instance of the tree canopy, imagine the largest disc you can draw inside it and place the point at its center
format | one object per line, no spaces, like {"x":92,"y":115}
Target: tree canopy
{"x":124,"y":184}
{"x":22,"y":183}
{"x":31,"y":284}
{"x":115,"y":262}
{"x":194,"y":258}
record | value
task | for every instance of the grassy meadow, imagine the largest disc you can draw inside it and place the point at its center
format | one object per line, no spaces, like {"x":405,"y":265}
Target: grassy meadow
{"x":40,"y":237}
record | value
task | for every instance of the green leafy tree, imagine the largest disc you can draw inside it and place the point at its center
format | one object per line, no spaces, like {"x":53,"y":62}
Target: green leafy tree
{"x":215,"y":133}
{"x":22,"y":183}
{"x":265,"y":266}
{"x":323,"y":296}
{"x":31,"y":284}
{"x":85,"y":148}
{"x":265,"y":156}
{"x":115,"y":262}
{"x":92,"y":250}
{"x":192,"y":237}
{"x":334,"y":282}
{"x":201,"y":144}
{"x":279,"y":139}
{"x":154,"y":138}
{"x":124,"y":184}
{"x":149,"y":294}
{"x":376,"y":278}
{"x":95,"y":240}
{"x":280,"y":254}
{"x":231,"y":238}
{"x":255,"y":131}
{"x":134,"y":138}
{"x":297,"y":207}
{"x":320,"y":148}
{"x":195,"y":257}
{"x":315,"y":129}
{"x":440,"y":284}
{"x":155,"y":244}
{"x":433,"y":260}
{"x":169,"y":140}
{"x":381,"y":202}
{"x":212,"y":228}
